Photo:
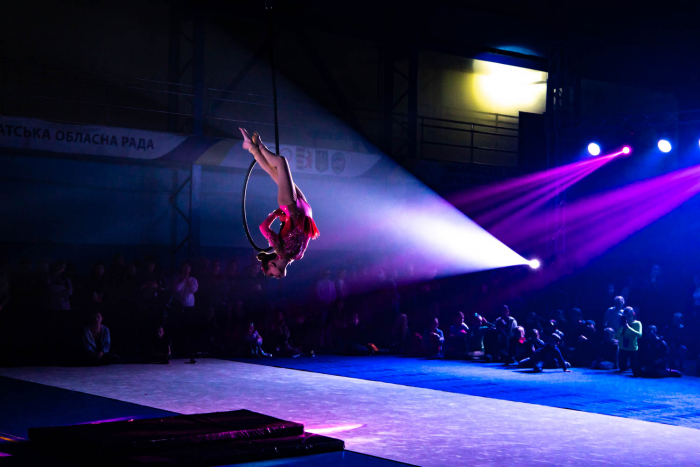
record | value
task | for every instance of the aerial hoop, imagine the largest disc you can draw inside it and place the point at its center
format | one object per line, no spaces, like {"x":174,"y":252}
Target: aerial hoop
{"x":245,"y":220}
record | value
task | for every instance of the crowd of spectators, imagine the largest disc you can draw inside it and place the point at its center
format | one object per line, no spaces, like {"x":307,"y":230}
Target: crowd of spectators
{"x":138,"y":311}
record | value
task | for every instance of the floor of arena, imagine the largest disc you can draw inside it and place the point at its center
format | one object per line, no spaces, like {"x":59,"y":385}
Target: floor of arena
{"x":387,"y":409}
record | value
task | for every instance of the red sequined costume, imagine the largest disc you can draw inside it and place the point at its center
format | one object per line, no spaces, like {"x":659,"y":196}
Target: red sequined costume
{"x":299,"y":229}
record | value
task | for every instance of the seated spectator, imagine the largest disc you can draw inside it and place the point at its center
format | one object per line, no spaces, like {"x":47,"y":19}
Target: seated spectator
{"x":355,"y":338}
{"x":496,"y":342}
{"x":652,"y":358}
{"x":301,"y":337}
{"x":456,"y":342}
{"x":586,"y":349}
{"x":159,"y":347}
{"x":252,"y":343}
{"x":280,"y":337}
{"x":96,"y":341}
{"x":477,"y":331}
{"x":532,"y":344}
{"x":517,"y":349}
{"x":627,"y":335}
{"x":548,"y":356}
{"x":674,"y":335}
{"x":400,"y":335}
{"x":607,"y":352}
{"x":433,"y":339}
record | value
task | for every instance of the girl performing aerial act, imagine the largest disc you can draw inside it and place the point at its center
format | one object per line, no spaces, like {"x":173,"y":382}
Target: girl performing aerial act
{"x":294,"y":211}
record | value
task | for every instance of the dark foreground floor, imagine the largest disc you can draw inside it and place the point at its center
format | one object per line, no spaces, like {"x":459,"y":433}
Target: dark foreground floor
{"x":674,"y":401}
{"x":24,"y":405}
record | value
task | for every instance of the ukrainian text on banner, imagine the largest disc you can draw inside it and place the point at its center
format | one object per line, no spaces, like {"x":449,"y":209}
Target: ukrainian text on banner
{"x":40,"y":135}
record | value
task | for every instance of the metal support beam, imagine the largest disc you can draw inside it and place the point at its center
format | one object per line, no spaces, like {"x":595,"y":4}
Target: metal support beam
{"x":195,"y":204}
{"x":198,"y":69}
{"x":350,"y":117}
{"x":174,"y":68}
{"x":413,"y":103}
{"x":386,"y":86}
{"x":559,"y":108}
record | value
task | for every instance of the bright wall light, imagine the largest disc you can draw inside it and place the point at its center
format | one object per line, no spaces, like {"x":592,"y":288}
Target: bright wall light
{"x":593,"y":149}
{"x":664,"y":145}
{"x":626,"y":150}
{"x":507,"y":89}
{"x":534,"y":263}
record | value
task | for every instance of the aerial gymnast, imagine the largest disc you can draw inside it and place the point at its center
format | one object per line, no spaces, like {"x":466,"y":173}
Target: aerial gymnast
{"x":294,"y":211}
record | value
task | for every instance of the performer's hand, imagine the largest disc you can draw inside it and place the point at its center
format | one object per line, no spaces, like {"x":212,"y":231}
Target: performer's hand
{"x":278,"y":212}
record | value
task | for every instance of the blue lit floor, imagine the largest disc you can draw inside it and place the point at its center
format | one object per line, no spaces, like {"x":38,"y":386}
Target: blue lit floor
{"x":670,"y":400}
{"x":402,"y":422}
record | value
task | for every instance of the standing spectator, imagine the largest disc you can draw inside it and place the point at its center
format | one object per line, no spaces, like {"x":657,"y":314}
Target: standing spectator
{"x":96,"y":287}
{"x":60,"y":287}
{"x":533,"y":321}
{"x":280,"y":337}
{"x":613,"y":316}
{"x":184,"y":288}
{"x":654,"y":296}
{"x":674,"y":335}
{"x":510,"y":323}
{"x":342,"y":288}
{"x":97,"y":341}
{"x":400,"y":335}
{"x":325,"y":295}
{"x":627,"y":335}
{"x":117,"y":272}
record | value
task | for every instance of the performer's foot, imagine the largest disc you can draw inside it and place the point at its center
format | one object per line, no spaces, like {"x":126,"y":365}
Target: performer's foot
{"x":256,"y":139}
{"x":248,"y":144}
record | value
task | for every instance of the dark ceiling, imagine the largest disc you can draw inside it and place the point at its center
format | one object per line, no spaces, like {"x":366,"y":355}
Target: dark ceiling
{"x":649,"y":44}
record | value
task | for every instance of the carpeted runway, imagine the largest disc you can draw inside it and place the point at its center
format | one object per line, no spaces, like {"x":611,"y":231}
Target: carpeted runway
{"x":402,"y":422}
{"x":670,"y":401}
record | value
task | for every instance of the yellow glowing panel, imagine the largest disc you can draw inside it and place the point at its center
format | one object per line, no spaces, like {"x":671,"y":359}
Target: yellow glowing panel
{"x":505,"y":89}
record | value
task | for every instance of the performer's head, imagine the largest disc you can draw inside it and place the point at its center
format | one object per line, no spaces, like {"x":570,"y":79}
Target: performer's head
{"x":273,"y":265}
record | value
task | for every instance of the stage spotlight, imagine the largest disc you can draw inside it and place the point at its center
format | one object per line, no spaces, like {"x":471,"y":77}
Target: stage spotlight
{"x":534,"y":263}
{"x":593,"y":149}
{"x":664,"y":145}
{"x":626,"y":150}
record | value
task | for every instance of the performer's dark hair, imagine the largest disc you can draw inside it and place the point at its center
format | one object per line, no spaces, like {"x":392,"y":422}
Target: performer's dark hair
{"x":265,"y":259}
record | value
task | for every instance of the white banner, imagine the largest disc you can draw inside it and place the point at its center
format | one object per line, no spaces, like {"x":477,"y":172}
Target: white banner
{"x":40,"y":135}
{"x":302,"y":159}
